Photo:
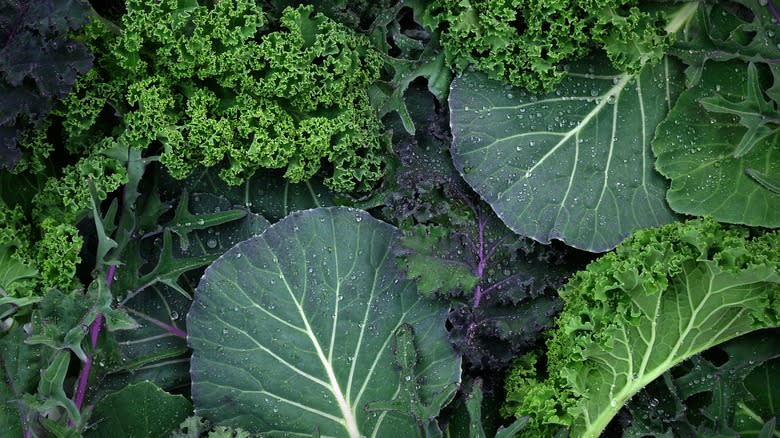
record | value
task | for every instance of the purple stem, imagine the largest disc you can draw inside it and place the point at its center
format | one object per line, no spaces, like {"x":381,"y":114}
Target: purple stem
{"x":94,"y":332}
{"x":175,"y":331}
{"x":499,"y":283}
{"x":17,"y":24}
{"x":773,"y":10}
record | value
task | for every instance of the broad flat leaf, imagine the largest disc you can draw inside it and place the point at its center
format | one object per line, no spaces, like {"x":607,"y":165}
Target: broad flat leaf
{"x":695,"y":149}
{"x":139,"y":410}
{"x":19,"y":373}
{"x":292,"y":331}
{"x":573,"y":165}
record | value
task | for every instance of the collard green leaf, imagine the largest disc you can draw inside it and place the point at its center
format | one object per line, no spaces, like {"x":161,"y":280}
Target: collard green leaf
{"x":312,"y":303}
{"x":573,"y":165}
{"x":697,"y":150}
{"x":141,"y":410}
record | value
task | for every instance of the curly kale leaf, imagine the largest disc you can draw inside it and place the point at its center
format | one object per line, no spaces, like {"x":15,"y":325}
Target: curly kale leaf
{"x":223,"y":86}
{"x":526,"y":43}
{"x":18,"y":273}
{"x":662,"y":296}
{"x":38,"y":64}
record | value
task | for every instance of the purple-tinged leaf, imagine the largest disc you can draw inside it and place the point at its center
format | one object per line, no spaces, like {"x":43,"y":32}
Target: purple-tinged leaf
{"x":39,"y":63}
{"x":453,"y":244}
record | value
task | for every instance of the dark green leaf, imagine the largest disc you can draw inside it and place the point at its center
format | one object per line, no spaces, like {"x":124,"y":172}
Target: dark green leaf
{"x":768,"y":182}
{"x":19,"y":374}
{"x":696,"y":150}
{"x":573,"y":165}
{"x":312,"y":303}
{"x":754,"y":112}
{"x":139,"y":410}
{"x":265,"y":193}
{"x":409,"y":401}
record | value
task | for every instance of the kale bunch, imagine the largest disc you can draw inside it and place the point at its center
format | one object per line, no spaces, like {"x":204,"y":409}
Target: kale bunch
{"x":664,"y":295}
{"x":527,"y":42}
{"x":225,"y":86}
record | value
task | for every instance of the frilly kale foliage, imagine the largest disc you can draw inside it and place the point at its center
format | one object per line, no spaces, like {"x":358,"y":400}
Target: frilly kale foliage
{"x":31,"y":258}
{"x":526,"y":43}
{"x":662,"y":296}
{"x":224,"y":86}
{"x":38,"y":64}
